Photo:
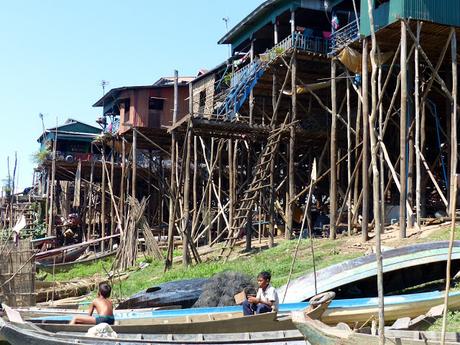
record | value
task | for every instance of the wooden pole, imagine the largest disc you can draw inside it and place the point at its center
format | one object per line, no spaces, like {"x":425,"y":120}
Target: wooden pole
{"x":417,"y":128}
{"x":134,"y":167}
{"x":172,"y":196}
{"x":333,"y":176}
{"x":103,"y":210}
{"x":376,"y":177}
{"x":381,"y":158}
{"x":365,"y":163}
{"x":349,"y":181}
{"x":186,"y":227}
{"x":291,"y":167}
{"x":186,"y":201}
{"x":453,"y":128}
{"x":402,"y":129}
{"x":195,"y":181}
{"x":453,"y":180}
{"x":112,"y":206}
{"x":122,"y":180}
{"x":52,"y":182}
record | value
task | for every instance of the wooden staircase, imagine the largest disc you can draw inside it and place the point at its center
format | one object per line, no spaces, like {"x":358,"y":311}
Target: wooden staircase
{"x":258,"y":184}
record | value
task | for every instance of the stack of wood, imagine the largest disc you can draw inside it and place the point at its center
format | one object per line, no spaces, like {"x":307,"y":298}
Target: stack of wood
{"x":127,"y":252}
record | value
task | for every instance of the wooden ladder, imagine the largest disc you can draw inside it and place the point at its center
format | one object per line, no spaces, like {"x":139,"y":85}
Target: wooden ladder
{"x":257,"y":185}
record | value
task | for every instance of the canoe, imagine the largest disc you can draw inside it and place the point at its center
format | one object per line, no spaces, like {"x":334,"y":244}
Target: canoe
{"x":67,"y":265}
{"x":318,"y":333}
{"x":403,"y":268}
{"x":351,"y":311}
{"x":19,"y":334}
{"x":183,"y":293}
{"x":66,"y":255}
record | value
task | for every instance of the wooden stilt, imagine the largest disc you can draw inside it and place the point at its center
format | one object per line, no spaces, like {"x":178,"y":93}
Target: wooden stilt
{"x":103,"y":210}
{"x":402,"y":129}
{"x":365,"y":164}
{"x":333,"y":149}
{"x":172,"y":196}
{"x":134,"y":167}
{"x":122,"y":180}
{"x":112,"y":206}
{"x":349,"y":206}
{"x":291,"y":149}
{"x":376,"y":178}
{"x":417,"y":129}
{"x":453,"y":128}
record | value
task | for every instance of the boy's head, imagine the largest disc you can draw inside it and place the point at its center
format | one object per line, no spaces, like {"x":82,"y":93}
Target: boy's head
{"x":104,"y":290}
{"x":263,"y":279}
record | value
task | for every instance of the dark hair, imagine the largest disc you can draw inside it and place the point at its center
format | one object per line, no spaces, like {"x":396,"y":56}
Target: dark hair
{"x":265,"y":275}
{"x":105,"y":290}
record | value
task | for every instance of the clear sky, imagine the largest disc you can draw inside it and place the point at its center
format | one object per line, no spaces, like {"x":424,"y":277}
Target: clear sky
{"x":55,"y":53}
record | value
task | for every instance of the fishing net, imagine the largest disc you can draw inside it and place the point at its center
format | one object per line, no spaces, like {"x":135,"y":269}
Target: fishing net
{"x":220,"y":290}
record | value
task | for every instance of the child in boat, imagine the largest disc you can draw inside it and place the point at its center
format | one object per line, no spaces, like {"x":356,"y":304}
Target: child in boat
{"x":266,"y":299}
{"x":103,"y":306}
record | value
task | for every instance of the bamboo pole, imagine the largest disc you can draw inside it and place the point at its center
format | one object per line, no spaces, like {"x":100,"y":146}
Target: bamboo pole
{"x":52,"y":189}
{"x":333,"y":152}
{"x":291,"y":149}
{"x":365,"y":163}
{"x":349,"y":215}
{"x":103,"y":210}
{"x":122,"y":180}
{"x":134,"y":167}
{"x":376,"y":178}
{"x":194,"y":187}
{"x":453,"y":128}
{"x":402,"y":129}
{"x":453,"y":179}
{"x":172,"y":196}
{"x":417,"y":128}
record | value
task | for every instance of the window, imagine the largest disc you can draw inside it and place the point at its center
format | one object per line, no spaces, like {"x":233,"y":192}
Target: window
{"x":155,"y":109}
{"x":156,"y":103}
{"x":202,"y":98}
{"x":126,"y":106}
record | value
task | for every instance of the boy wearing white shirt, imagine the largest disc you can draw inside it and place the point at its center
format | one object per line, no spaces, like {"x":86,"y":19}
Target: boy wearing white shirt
{"x":266,"y":299}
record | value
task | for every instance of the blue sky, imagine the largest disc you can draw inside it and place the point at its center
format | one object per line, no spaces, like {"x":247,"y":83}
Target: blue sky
{"x":55,"y":54}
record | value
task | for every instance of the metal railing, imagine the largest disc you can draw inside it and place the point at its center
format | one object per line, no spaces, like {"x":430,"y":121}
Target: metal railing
{"x":344,"y":36}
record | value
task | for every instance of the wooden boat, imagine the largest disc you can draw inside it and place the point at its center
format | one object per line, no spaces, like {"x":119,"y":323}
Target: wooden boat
{"x":67,"y":253}
{"x":351,"y":311}
{"x":62,"y":256}
{"x":318,"y":333}
{"x":183,"y":293}
{"x":67,"y":265}
{"x":26,"y":333}
{"x":403,"y":268}
{"x":199,"y":323}
{"x":361,"y":310}
{"x":224,"y":324}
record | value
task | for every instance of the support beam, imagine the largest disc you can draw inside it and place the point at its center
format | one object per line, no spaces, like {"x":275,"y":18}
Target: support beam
{"x":403,"y":134}
{"x":333,"y":152}
{"x":365,"y":163}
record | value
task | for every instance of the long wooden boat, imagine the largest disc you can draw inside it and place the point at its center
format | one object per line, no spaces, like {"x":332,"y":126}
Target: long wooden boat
{"x":67,"y":253}
{"x":318,"y":333}
{"x":19,"y":334}
{"x":351,"y":311}
{"x":403,"y":268}
{"x":67,"y":265}
{"x":64,"y":256}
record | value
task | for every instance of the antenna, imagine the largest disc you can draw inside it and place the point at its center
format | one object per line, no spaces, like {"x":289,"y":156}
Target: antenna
{"x":104,"y":83}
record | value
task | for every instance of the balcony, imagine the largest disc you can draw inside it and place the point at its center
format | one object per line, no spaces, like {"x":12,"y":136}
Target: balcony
{"x":344,"y":36}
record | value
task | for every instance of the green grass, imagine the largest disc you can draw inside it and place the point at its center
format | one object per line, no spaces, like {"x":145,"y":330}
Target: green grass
{"x":82,"y":271}
{"x":453,"y":323}
{"x":277,"y":260}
